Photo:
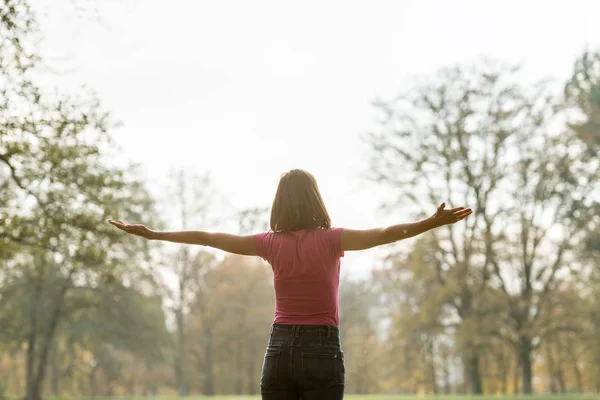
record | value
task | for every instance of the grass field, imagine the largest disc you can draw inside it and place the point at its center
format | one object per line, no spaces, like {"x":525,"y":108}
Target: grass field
{"x":401,"y":397}
{"x":415,"y":397}
{"x":361,"y":397}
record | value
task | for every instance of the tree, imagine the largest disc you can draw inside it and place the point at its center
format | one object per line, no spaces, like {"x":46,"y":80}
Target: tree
{"x":582,"y":93}
{"x":232,"y":316}
{"x":117,"y":320}
{"x":554,"y":181}
{"x":435,"y":143}
{"x":253,"y":220}
{"x":421,"y":322}
{"x":191,"y":199}
{"x":359,"y":308}
{"x":58,"y":188}
{"x":476,"y":137}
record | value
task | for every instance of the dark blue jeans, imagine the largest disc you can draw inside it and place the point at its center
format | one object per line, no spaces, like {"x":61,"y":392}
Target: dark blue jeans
{"x":303,"y":362}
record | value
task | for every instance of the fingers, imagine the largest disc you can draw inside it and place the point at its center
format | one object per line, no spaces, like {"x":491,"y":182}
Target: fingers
{"x":463,"y":214}
{"x":460,"y":214}
{"x":136,"y":229}
{"x":119,"y":224}
{"x":452,"y":215}
{"x":462,"y":210}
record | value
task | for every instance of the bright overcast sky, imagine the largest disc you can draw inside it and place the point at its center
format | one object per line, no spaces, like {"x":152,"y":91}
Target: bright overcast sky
{"x":249,"y":89}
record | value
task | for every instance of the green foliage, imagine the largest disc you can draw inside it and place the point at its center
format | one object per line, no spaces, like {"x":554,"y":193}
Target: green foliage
{"x":118,"y":317}
{"x":582,"y":93}
{"x":61,"y":261}
{"x":583,"y":89}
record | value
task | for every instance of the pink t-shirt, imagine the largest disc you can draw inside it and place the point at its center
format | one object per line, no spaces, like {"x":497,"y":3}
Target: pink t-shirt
{"x":306,"y":271}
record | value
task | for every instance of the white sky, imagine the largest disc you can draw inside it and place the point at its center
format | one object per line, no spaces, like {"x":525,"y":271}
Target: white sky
{"x":249,"y":89}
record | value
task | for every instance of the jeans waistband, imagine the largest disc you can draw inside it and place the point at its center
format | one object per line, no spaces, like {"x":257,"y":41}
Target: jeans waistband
{"x":330,"y":330}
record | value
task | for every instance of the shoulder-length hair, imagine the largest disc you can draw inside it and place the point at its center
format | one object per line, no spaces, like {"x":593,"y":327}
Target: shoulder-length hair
{"x":298,"y":204}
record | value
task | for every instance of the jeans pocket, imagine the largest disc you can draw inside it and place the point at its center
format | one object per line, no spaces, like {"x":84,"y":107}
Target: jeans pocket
{"x":320,"y":370}
{"x":269,"y":369}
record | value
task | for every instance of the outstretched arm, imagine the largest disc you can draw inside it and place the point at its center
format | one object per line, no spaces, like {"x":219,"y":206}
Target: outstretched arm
{"x":366,"y":239}
{"x":224,"y":241}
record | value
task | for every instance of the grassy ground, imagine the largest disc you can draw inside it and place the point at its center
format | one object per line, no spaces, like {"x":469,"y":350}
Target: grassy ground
{"x":370,"y":397}
{"x":442,"y":397}
{"x":398,"y":397}
{"x":402,"y":397}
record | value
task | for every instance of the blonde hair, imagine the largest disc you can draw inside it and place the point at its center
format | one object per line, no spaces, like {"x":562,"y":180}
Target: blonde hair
{"x":298,"y":204}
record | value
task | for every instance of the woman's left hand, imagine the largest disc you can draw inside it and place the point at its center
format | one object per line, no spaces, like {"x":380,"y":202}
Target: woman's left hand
{"x":138,"y":230}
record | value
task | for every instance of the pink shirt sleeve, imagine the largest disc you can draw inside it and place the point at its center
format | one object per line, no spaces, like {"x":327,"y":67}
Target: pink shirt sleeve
{"x":333,"y":237}
{"x":262,"y":244}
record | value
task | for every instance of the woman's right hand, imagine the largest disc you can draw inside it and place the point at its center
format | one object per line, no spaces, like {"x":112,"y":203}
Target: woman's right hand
{"x":445,"y":216}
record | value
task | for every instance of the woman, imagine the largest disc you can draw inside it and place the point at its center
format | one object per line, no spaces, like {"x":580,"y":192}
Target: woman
{"x":304,"y":358}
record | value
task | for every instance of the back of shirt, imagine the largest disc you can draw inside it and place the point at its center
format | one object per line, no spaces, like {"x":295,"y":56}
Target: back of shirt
{"x":306,"y":269}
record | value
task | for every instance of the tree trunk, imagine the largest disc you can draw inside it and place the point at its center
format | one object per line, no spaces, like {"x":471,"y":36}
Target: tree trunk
{"x":55,"y":370}
{"x":132,"y":383}
{"x":209,"y":389}
{"x":578,"y":377}
{"x":180,"y":359}
{"x":367,"y":368}
{"x":558,"y":371}
{"x":504,"y":388}
{"x":252,"y":378}
{"x":473,"y":373}
{"x":516,"y":388}
{"x":15,"y":371}
{"x":446,"y":371}
{"x":93,"y":384}
{"x":560,"y":377}
{"x":503,"y":363}
{"x":551,"y":368}
{"x":464,"y":387}
{"x":359,"y":378}
{"x":490,"y":380}
{"x":239,"y":378}
{"x":31,"y":345}
{"x":48,"y":339}
{"x":40,"y":376}
{"x":432,"y":370}
{"x":525,"y":353}
{"x":30,"y":365}
{"x":36,"y":371}
{"x":576,"y":369}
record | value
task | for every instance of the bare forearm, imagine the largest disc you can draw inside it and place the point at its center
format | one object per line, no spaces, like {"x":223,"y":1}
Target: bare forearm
{"x":222,"y":241}
{"x":398,"y":232}
{"x":366,"y":239}
{"x":188,"y":237}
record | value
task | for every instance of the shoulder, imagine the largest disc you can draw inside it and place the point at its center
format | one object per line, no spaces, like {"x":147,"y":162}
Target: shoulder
{"x":333,"y":240}
{"x":265,"y":237}
{"x":331,"y":232}
{"x":263,"y":242}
